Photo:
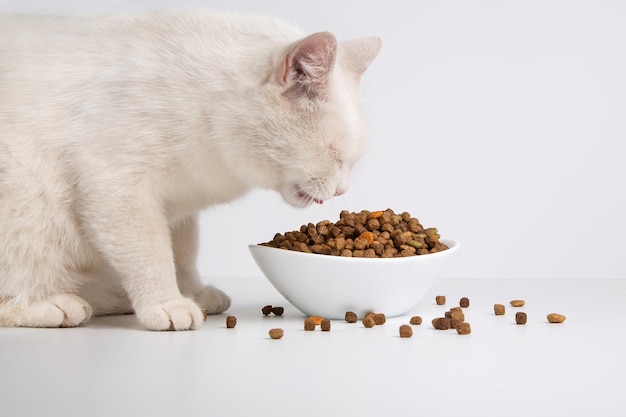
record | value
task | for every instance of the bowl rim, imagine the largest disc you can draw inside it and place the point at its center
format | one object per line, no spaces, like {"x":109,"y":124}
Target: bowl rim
{"x":453,"y":245}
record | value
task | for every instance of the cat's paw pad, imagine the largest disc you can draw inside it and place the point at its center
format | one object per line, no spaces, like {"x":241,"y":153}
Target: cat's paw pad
{"x":176,"y":314}
{"x":60,"y":310}
{"x":212,"y":300}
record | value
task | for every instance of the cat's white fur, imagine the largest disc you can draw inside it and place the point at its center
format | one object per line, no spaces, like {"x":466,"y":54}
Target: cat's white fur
{"x":115,"y":131}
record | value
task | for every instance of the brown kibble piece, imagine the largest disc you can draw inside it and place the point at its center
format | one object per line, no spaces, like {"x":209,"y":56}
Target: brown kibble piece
{"x":309,"y":324}
{"x":440,"y":300}
{"x":325,"y":325}
{"x":231,"y":322}
{"x":351,"y":317}
{"x":406,"y":331}
{"x":518,"y":303}
{"x":521,"y":317}
{"x":266,"y":310}
{"x":556,"y":318}
{"x":456,"y":313}
{"x":463,"y":328}
{"x":416,"y":320}
{"x":499,"y":309}
{"x":379,"y":319}
{"x":278,"y":311}
{"x":441,"y":323}
{"x":464,"y":302}
{"x":368,"y":321}
{"x":276,"y":333}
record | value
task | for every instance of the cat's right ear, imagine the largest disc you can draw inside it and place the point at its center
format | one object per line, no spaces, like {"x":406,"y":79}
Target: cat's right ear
{"x":306,"y":66}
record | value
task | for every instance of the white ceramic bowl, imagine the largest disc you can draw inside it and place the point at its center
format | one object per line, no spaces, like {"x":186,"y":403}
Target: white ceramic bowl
{"x":328,"y":286}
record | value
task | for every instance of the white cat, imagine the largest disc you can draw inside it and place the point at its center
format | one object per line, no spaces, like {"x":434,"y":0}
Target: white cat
{"x":115,"y":131}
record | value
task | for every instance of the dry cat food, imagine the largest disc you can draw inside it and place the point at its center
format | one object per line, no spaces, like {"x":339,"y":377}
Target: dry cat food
{"x":521,"y":317}
{"x":351,"y":317}
{"x":463,"y":328}
{"x":231,"y":322}
{"x":266,"y":310}
{"x":499,"y":309}
{"x":406,"y":331}
{"x":556,"y":318}
{"x":441,"y":323}
{"x":518,"y":303}
{"x":276,"y":333}
{"x":380,"y":319}
{"x":309,"y":324}
{"x":464,"y":302}
{"x":317,"y":319}
{"x":416,"y":320}
{"x":440,"y":300}
{"x":368,"y":321}
{"x":365,"y":234}
{"x":277,"y":311}
{"x":325,"y":325}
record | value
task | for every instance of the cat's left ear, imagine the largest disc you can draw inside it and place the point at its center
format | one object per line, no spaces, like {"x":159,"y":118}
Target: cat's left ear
{"x":357,"y":54}
{"x":307,"y":64}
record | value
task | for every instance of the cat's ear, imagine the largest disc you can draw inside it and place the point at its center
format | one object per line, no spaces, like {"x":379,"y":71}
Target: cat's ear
{"x":357,"y":54}
{"x":307,"y":65}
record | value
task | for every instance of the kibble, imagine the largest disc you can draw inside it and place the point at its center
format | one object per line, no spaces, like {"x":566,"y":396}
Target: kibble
{"x":499,"y":309}
{"x":380,"y":319}
{"x":463,"y":328}
{"x":325,"y":325}
{"x":406,"y":331}
{"x":278,"y":311}
{"x":440,"y":300}
{"x":351,"y":317}
{"x":378,"y":234}
{"x":415,"y":320}
{"x":464,"y":302}
{"x":309,"y":324}
{"x":231,"y":322}
{"x":368,"y":321}
{"x":276,"y":333}
{"x":456,"y":313}
{"x":521,"y":317}
{"x":441,"y":323}
{"x":266,"y":310}
{"x":317,"y":319}
{"x":518,"y":303}
{"x":556,"y":318}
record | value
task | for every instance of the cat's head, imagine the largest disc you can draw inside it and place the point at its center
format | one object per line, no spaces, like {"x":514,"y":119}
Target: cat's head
{"x":308,"y":130}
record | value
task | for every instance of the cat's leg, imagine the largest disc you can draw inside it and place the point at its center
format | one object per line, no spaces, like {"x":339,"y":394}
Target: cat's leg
{"x":59,"y":310}
{"x":185,"y":246}
{"x":132,"y":234}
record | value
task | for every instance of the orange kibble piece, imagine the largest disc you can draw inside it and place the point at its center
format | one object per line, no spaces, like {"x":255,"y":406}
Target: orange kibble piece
{"x":369,"y":236}
{"x":317,"y":320}
{"x":376,"y":214}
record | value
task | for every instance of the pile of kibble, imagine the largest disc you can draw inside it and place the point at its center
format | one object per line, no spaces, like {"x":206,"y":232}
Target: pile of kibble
{"x":365,"y":234}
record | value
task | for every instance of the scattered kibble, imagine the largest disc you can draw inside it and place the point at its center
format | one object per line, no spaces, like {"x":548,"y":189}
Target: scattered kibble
{"x":406,"y":331}
{"x":276,"y":333}
{"x":416,"y":320}
{"x":325,"y":325}
{"x":556,"y":318}
{"x":309,"y":324}
{"x":317,"y":319}
{"x":231,"y":322}
{"x":521,"y":317}
{"x":441,"y":323}
{"x":266,"y":310}
{"x":463,"y":328}
{"x":498,"y":309}
{"x":440,"y":300}
{"x":368,"y":321}
{"x":464,"y":302}
{"x":278,"y":311}
{"x":380,"y":319}
{"x":351,"y":317}
{"x":518,"y":303}
{"x":457,"y":314}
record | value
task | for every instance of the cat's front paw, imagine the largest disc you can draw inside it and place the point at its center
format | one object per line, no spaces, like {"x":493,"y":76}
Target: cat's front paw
{"x":58,"y":310}
{"x":212,"y":300}
{"x":176,"y":314}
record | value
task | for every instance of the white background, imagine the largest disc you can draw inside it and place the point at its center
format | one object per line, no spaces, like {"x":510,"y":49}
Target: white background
{"x":499,"y":122}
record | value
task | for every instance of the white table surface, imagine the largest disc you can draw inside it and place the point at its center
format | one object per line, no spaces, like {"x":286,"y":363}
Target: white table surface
{"x":111,"y":367}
